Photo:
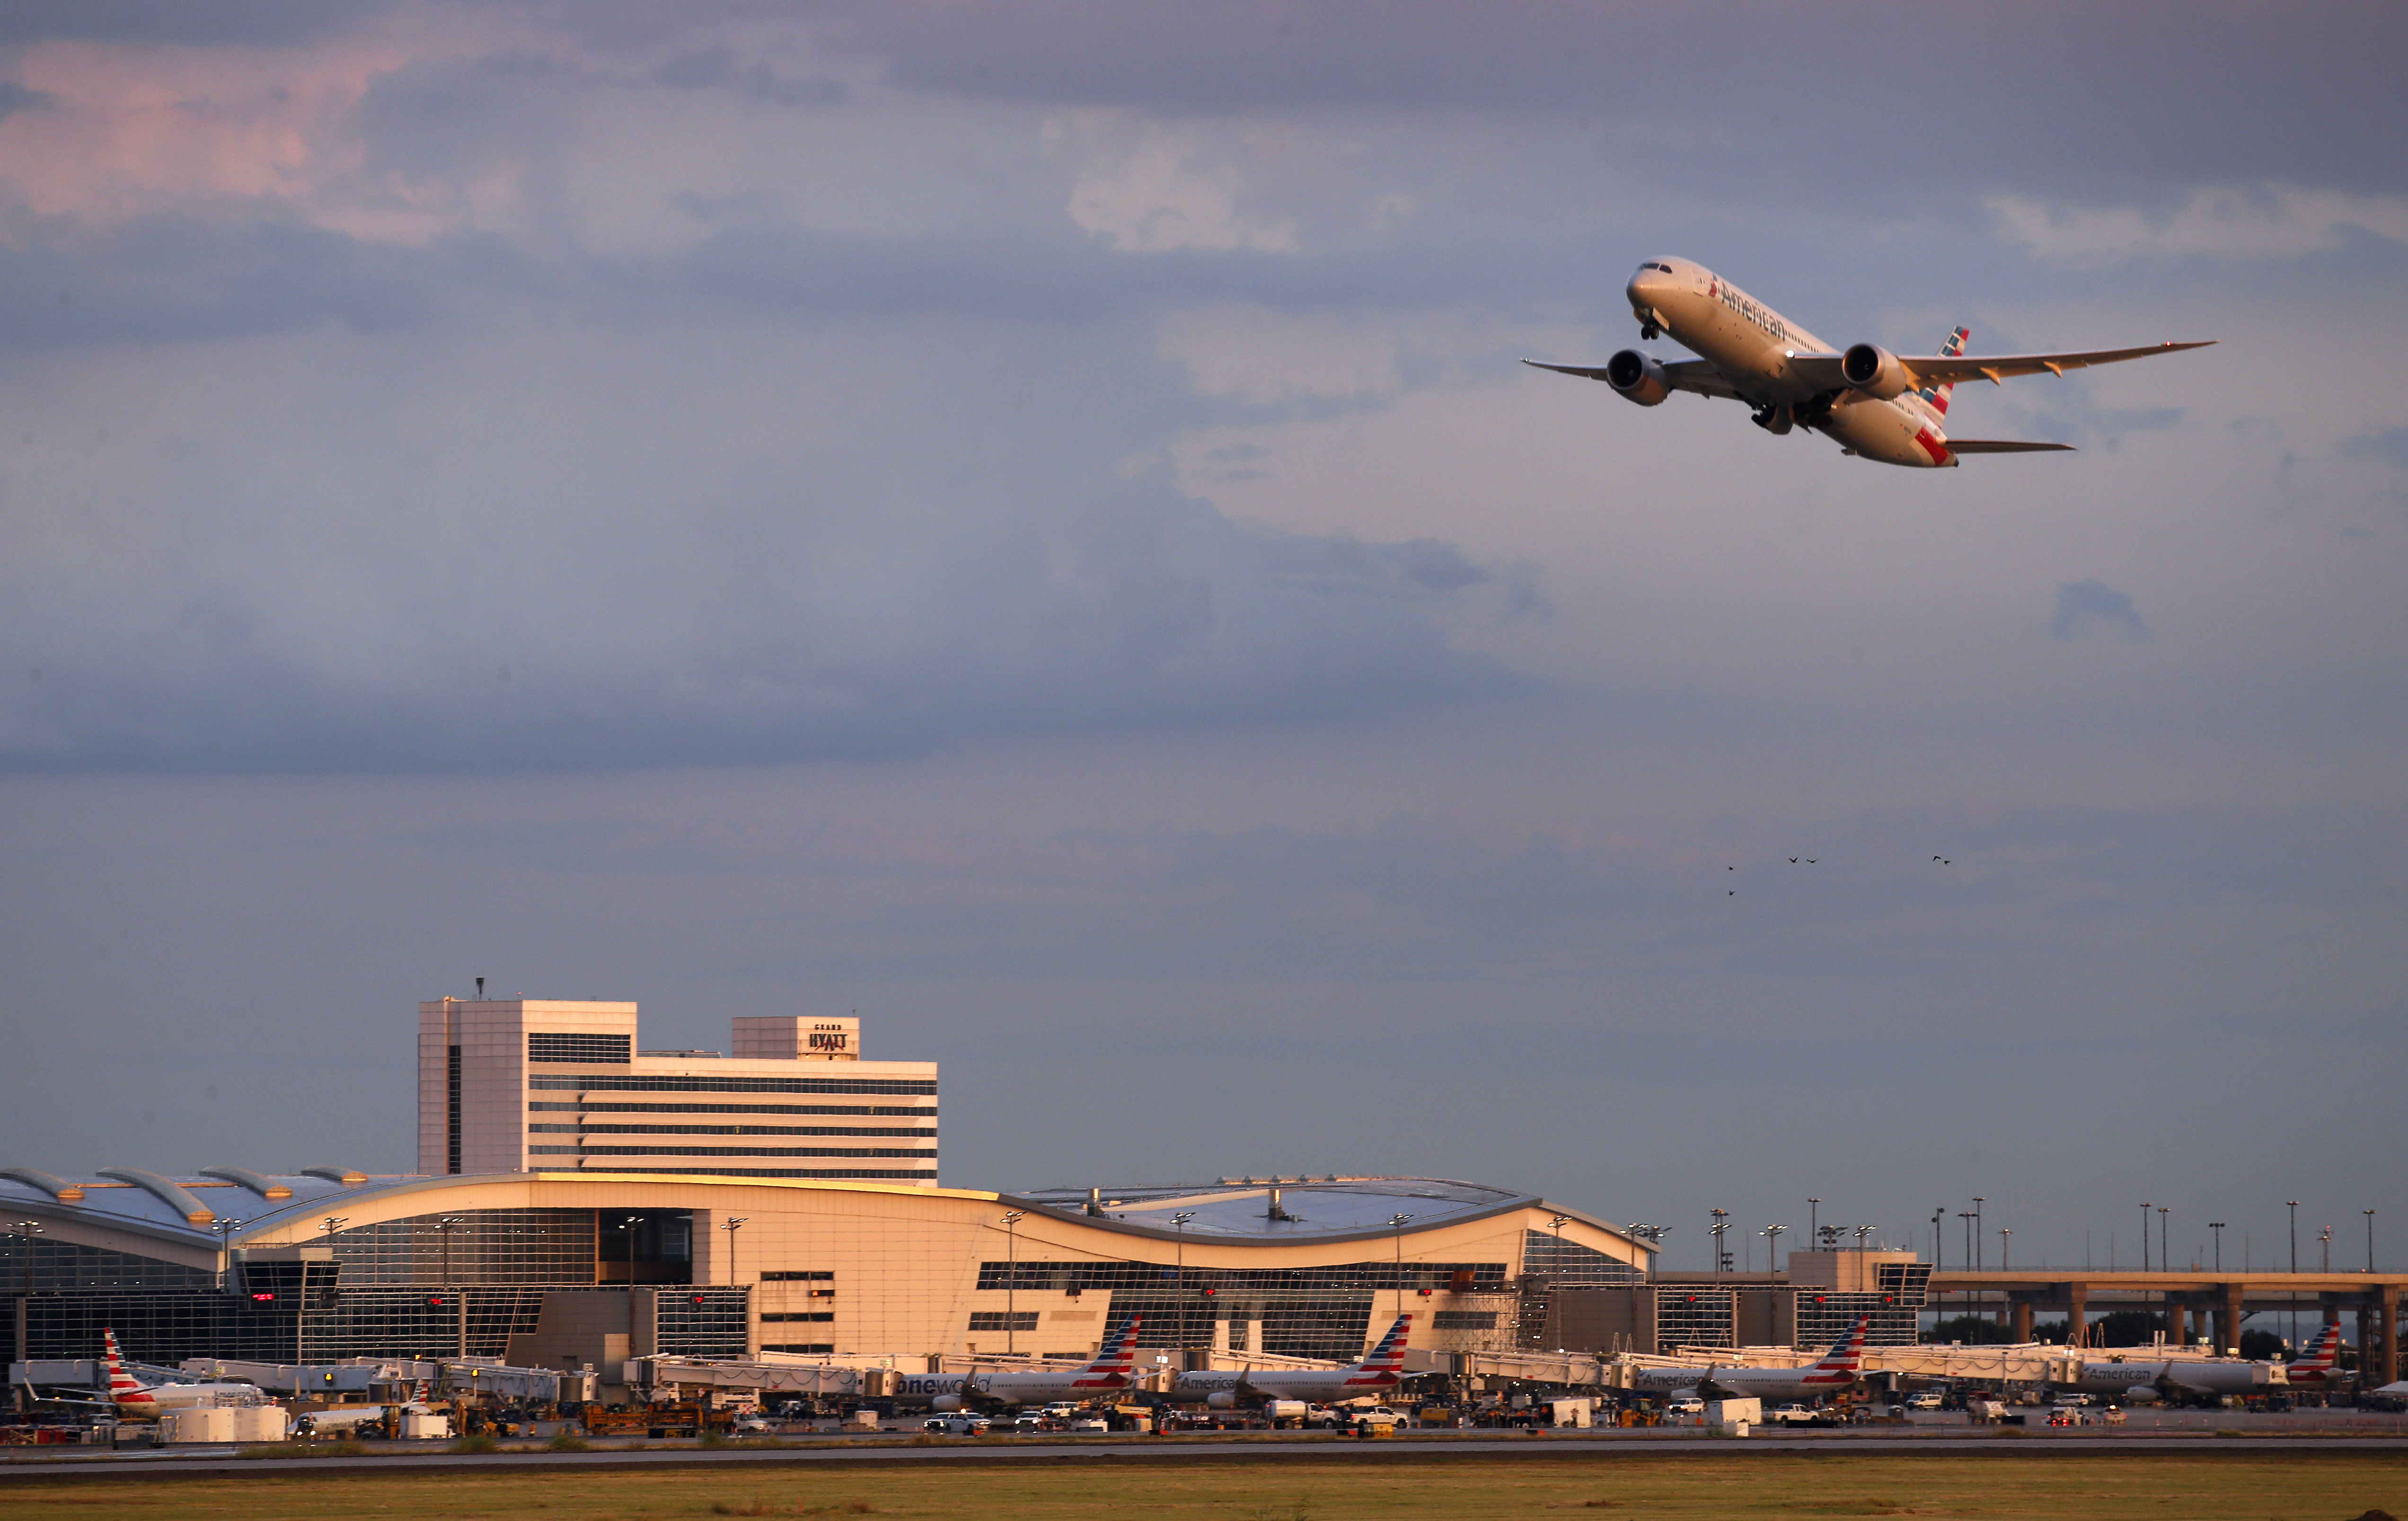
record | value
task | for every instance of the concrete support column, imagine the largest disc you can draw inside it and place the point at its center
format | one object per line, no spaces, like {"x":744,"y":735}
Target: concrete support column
{"x":2077,"y":1307}
{"x":2228,"y":1319}
{"x":2387,"y":1366}
{"x":2176,"y":1331}
{"x":2021,"y":1331}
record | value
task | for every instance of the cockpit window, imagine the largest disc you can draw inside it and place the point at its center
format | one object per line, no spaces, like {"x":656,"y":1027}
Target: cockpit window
{"x":1665,"y":267}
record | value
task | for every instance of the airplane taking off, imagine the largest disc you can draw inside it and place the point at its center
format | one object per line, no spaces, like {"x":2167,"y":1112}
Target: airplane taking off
{"x":1837,"y":1370}
{"x":1376,"y":1374}
{"x":1112,"y":1368}
{"x":1878,"y":405}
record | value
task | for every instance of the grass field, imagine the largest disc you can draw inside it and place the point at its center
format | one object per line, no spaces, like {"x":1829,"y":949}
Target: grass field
{"x":2102,"y":1487}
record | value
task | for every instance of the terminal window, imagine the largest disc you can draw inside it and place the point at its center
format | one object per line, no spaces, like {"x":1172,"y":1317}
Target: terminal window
{"x":795,"y":1275}
{"x":798,"y":1346}
{"x":1002,"y":1320}
{"x":803,"y":1315}
{"x":580,"y":1048}
{"x":1464,"y":1320}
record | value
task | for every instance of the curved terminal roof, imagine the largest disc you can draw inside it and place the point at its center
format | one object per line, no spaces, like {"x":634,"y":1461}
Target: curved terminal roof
{"x":1231,"y":1212}
{"x":1308,"y":1209}
{"x":126,"y":1200}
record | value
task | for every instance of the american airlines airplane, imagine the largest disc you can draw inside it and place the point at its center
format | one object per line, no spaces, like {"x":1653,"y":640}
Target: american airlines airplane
{"x":1878,"y":405}
{"x":1377,"y":1374}
{"x":1838,"y":1370}
{"x":1112,"y":1370}
{"x":2318,"y":1364}
{"x":145,"y":1402}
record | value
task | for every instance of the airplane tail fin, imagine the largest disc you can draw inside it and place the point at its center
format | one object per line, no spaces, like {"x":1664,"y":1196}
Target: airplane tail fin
{"x":2320,"y":1356}
{"x":1118,"y":1353}
{"x":1937,"y":395}
{"x":1389,"y":1356}
{"x":121,"y":1384}
{"x":1847,"y":1354}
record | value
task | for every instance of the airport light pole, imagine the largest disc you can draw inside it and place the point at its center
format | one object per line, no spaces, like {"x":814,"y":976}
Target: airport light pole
{"x":1397,"y":1224}
{"x":2003,"y":1234}
{"x":1719,"y":1226}
{"x":1011,"y":1219}
{"x":1939,"y":1255}
{"x":1977,"y":1233}
{"x":2370,"y":1240}
{"x":1814,"y":1223}
{"x":26,"y":1230}
{"x":1967,"y":1215}
{"x":732,"y":1224}
{"x":2293,"y":1205}
{"x":1771,"y":1247}
{"x":2217,"y":1226}
{"x":223,"y":1227}
{"x":2165,"y":1254}
{"x":2327,"y":1238}
{"x":2144,"y":1235}
{"x":1179,"y":1224}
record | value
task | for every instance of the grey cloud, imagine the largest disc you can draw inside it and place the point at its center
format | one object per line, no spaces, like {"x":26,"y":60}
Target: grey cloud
{"x":188,"y":277}
{"x":219,"y":23}
{"x":2082,"y":605}
{"x":716,"y":68}
{"x":2155,"y":91}
{"x":2390,"y":446}
{"x":1169,"y":615}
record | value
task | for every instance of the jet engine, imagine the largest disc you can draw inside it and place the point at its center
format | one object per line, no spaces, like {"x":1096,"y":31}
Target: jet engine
{"x":2140,"y":1394}
{"x":946,"y":1402}
{"x":1221,"y":1399}
{"x":1874,"y":370}
{"x":1636,"y":378}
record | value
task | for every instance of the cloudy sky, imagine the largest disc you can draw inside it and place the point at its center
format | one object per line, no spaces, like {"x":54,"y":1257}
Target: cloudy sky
{"x":1024,"y":522}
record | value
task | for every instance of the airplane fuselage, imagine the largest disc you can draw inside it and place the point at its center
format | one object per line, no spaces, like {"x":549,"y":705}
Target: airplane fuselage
{"x":1751,"y":344}
{"x":957,"y":1391}
{"x":1314,"y":1386}
{"x":1743,"y":1382}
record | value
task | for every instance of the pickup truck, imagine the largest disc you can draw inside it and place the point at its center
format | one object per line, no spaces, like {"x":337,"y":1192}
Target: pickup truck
{"x":1790,"y":1415}
{"x":1374,"y":1416}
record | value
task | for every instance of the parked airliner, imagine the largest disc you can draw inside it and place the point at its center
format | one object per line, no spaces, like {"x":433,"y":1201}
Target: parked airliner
{"x":145,"y":1402}
{"x":1878,"y":405}
{"x":1112,"y":1370}
{"x":1377,"y":1374}
{"x":1838,"y":1370}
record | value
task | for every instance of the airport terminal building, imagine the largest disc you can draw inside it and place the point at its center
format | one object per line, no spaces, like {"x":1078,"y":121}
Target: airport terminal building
{"x":587,"y":1269}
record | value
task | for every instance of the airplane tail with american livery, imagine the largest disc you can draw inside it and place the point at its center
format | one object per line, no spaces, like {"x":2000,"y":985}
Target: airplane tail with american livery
{"x":1116,"y":1362}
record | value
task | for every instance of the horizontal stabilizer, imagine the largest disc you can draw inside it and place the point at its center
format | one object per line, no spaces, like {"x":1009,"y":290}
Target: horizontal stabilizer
{"x":2001,"y":446}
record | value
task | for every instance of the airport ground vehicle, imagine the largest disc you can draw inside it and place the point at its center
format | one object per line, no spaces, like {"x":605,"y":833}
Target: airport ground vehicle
{"x":2077,"y":1398}
{"x":1374,"y":1416}
{"x":1692,"y":1405}
{"x":656,"y":1421}
{"x":1926,"y":1399}
{"x":958,"y":1424}
{"x":1090,"y":1423}
{"x":1789,"y":1414}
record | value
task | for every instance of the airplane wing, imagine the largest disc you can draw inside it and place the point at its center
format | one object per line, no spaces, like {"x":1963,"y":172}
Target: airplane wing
{"x":1946,"y":370}
{"x":1695,"y":375}
{"x":2001,"y":446}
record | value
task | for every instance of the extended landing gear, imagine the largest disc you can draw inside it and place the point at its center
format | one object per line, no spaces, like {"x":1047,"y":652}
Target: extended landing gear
{"x":1649,"y":332}
{"x":1776,"y":419}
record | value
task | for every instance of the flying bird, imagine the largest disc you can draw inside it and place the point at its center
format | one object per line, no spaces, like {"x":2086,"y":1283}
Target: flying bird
{"x":1793,"y":860}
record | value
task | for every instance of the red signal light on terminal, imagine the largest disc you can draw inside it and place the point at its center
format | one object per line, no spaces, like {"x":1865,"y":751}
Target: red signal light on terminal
{"x":698,"y":1299}
{"x":435,"y":1301}
{"x":265,"y":1297}
{"x":1208,"y":1293}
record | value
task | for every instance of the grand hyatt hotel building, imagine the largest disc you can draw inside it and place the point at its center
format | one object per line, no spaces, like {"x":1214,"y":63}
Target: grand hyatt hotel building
{"x":553,"y":1085}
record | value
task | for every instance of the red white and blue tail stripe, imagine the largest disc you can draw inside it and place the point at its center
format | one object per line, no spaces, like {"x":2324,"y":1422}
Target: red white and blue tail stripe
{"x":122,"y":1389}
{"x":1937,"y":395}
{"x":1386,"y":1364}
{"x":1115,"y":1361}
{"x":2319,"y":1362}
{"x":1846,"y":1358}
